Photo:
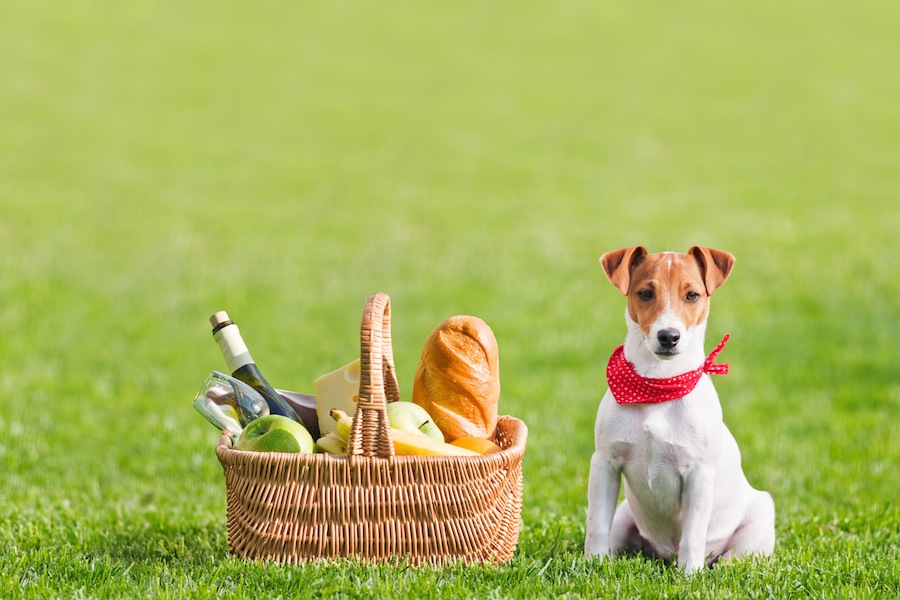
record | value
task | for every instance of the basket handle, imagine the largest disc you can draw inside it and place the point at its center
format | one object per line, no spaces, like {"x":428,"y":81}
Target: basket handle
{"x":371,"y":431}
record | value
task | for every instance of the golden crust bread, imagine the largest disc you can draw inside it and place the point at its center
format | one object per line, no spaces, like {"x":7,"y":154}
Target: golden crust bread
{"x":458,"y":378}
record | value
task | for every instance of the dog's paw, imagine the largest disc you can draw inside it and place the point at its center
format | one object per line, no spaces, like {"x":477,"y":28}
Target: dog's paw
{"x":600,"y":557}
{"x":692,"y":567}
{"x":596,"y":549}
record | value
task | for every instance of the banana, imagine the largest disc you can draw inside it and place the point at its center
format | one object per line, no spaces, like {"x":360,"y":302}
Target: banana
{"x":405,"y":443}
{"x":344,"y":423}
{"x":416,"y":444}
{"x":331,"y":444}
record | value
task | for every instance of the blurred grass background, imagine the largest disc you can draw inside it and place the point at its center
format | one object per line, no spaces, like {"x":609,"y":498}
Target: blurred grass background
{"x":161,"y":161}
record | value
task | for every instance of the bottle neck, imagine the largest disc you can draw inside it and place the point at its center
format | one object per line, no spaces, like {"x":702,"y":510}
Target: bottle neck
{"x":233,"y":347}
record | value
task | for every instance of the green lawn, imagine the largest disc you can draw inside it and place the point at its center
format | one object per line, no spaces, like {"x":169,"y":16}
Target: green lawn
{"x":160,"y":161}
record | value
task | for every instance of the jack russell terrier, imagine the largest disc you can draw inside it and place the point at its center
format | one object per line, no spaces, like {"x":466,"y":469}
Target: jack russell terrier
{"x":660,"y":425}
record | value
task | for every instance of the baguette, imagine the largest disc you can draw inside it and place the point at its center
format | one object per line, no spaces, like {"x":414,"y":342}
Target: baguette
{"x":458,"y":378}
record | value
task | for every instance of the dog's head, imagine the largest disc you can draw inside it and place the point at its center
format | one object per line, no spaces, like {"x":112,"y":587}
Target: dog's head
{"x":668,"y":293}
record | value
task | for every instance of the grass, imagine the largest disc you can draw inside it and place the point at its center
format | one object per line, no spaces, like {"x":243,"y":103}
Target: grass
{"x":162,"y":161}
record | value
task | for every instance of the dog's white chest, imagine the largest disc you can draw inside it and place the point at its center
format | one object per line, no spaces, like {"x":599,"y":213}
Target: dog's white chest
{"x":659,"y":455}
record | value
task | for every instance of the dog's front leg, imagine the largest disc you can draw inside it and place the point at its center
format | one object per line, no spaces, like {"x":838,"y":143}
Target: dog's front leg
{"x":603,"y":495}
{"x":696,"y":507}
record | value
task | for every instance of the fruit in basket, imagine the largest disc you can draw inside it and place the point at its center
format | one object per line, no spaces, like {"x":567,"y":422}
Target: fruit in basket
{"x":275,"y":433}
{"x":412,"y":418}
{"x":414,"y":444}
{"x":458,"y":378}
{"x":479,"y":445}
{"x":344,"y":423}
{"x":331,"y":443}
{"x":405,"y":443}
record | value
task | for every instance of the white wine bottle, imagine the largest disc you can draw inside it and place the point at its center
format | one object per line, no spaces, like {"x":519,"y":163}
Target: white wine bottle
{"x":242,"y":367}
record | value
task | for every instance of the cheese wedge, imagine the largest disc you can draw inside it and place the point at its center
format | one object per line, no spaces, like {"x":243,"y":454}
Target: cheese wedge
{"x":337,"y":390}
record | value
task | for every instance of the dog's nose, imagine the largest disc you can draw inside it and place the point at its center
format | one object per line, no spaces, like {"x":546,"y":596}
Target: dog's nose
{"x":668,"y":338}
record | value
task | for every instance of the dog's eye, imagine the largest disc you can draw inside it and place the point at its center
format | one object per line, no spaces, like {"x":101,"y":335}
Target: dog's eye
{"x":645,"y":294}
{"x":692,"y":296}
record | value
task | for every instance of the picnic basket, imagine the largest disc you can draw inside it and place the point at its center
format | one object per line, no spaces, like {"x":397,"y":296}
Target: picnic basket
{"x":371,"y":504}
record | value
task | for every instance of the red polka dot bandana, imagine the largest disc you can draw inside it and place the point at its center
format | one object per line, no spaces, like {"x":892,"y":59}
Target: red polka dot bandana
{"x":628,"y":387}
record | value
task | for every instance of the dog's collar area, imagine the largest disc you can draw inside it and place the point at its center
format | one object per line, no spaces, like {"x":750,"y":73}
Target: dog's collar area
{"x":628,"y":387}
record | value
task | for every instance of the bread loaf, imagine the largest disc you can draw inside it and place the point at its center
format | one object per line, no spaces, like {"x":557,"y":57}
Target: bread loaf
{"x":458,"y":378}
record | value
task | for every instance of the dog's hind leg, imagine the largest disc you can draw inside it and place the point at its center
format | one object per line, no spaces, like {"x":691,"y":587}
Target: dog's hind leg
{"x":756,"y":534}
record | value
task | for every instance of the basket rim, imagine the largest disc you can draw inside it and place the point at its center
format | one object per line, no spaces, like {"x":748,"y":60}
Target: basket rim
{"x":513,"y":453}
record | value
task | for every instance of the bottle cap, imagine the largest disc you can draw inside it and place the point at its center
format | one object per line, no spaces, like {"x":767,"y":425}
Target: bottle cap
{"x":219,"y":319}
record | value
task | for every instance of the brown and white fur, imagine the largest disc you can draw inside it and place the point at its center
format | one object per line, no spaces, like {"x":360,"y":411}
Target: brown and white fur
{"x":686,"y":497}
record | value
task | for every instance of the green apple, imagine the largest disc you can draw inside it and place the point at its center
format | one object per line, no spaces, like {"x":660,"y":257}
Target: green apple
{"x":275,"y":433}
{"x":412,"y":418}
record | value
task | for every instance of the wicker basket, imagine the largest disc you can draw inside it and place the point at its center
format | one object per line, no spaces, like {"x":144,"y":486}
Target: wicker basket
{"x":372,"y":504}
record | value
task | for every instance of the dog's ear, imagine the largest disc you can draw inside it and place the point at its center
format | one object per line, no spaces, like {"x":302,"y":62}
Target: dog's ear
{"x":619,"y":264}
{"x":715,"y":265}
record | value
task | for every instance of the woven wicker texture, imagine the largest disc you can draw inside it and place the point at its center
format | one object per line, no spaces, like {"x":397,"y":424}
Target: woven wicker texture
{"x":372,"y":504}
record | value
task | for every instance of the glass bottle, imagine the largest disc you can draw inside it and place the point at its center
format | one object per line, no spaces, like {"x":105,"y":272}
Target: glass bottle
{"x":241,"y":364}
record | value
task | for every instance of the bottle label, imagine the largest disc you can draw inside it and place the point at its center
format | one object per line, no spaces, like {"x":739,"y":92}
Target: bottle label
{"x":233,"y":347}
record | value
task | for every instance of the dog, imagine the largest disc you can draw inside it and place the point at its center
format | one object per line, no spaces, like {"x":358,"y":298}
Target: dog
{"x":660,"y":425}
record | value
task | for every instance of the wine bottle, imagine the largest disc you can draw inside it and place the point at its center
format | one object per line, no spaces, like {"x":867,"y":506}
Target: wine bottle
{"x":241,"y":364}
